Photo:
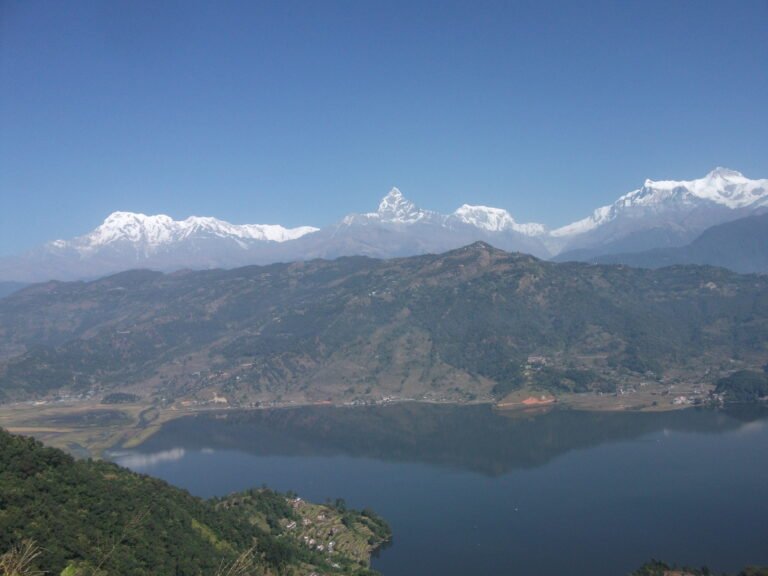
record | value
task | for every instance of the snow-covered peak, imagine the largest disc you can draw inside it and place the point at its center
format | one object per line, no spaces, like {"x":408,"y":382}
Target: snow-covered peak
{"x":393,"y":199}
{"x":721,"y":172}
{"x":598,"y":217}
{"x":149,"y":233}
{"x":721,"y":187}
{"x":394,"y":207}
{"x":494,"y":220}
{"x":133,"y":227}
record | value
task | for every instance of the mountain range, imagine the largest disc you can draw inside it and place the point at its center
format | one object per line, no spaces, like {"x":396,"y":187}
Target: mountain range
{"x":472,"y":323}
{"x":659,"y":214}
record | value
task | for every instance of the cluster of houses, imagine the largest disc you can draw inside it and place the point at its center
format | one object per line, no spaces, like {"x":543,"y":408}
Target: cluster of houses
{"x":61,"y":399}
{"x":319,"y":546}
{"x":297,"y":503}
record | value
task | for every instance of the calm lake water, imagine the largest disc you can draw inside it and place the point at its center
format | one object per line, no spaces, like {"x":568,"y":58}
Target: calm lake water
{"x":471,"y":491}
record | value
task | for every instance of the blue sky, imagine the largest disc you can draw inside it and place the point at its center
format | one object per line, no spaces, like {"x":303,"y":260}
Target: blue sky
{"x":299,"y":112}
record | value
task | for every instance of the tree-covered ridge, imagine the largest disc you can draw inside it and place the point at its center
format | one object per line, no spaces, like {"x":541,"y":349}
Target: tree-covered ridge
{"x":96,"y":518}
{"x":744,"y":386}
{"x":472,"y":323}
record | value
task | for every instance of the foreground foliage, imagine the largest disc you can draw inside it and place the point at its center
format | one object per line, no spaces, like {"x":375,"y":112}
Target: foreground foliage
{"x":95,"y":518}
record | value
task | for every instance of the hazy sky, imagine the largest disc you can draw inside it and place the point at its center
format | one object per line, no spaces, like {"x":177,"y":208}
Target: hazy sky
{"x":299,"y":112}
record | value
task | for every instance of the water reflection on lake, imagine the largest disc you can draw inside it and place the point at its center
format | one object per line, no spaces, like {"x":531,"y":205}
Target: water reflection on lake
{"x":468,"y":490}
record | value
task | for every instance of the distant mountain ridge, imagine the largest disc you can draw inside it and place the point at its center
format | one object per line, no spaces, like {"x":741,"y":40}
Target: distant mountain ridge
{"x":659,"y":214}
{"x":741,"y":245}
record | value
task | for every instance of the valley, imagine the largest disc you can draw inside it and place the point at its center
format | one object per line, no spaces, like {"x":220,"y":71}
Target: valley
{"x":88,"y":366}
{"x":383,"y":288}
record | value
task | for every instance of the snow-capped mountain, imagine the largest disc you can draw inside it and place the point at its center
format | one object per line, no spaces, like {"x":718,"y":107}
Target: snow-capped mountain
{"x":658,"y":214}
{"x":662,"y":213}
{"x":722,"y":187}
{"x":494,"y":220}
{"x":128,"y":240}
{"x":400,"y":228}
{"x":394,"y":208}
{"x":149,"y":235}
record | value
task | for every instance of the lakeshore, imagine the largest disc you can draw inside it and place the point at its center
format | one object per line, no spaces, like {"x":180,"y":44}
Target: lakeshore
{"x":87,"y":427}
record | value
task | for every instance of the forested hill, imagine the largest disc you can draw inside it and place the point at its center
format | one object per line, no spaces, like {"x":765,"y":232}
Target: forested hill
{"x":96,"y":519}
{"x":474,"y":322}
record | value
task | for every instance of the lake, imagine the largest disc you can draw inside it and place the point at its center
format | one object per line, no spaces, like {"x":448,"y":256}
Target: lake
{"x":469,"y":490}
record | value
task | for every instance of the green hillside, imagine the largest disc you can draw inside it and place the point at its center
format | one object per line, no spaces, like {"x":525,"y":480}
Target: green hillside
{"x":95,"y":518}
